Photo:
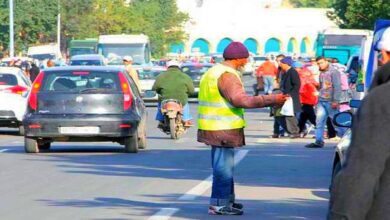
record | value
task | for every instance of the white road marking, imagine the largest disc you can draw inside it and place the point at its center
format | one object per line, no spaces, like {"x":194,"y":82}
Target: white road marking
{"x":16,"y":142}
{"x":164,"y":214}
{"x":198,"y":190}
{"x":3,"y":150}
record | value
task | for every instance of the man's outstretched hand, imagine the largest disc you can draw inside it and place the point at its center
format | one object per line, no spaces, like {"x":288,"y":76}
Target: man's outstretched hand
{"x":280,"y":99}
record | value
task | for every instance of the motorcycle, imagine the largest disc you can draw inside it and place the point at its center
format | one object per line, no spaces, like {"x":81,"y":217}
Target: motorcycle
{"x":173,"y":124}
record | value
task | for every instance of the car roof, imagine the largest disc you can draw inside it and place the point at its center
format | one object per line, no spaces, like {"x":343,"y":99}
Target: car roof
{"x":87,"y":57}
{"x":10,"y":70}
{"x":86,"y":68}
{"x":197,"y":64}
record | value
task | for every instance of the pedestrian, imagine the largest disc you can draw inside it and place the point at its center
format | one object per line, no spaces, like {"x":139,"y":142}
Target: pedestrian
{"x":308,"y":95}
{"x":50,"y":63}
{"x":361,"y":190}
{"x":329,"y":98}
{"x":267,"y":71}
{"x":34,"y":71}
{"x":279,"y":120}
{"x":290,"y":85}
{"x":221,"y":123}
{"x":128,"y":62}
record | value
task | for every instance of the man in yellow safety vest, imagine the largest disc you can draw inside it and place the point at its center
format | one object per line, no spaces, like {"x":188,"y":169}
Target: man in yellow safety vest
{"x":222,"y":100}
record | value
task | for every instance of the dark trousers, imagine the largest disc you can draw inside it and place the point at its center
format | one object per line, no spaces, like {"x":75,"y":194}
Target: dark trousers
{"x":279,"y":121}
{"x":307,"y":113}
{"x":331,"y":130}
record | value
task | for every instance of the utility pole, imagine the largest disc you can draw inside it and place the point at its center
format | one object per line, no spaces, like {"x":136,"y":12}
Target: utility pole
{"x":11,"y":28}
{"x":59,"y":27}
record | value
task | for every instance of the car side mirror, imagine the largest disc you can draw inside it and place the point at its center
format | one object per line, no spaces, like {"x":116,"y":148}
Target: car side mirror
{"x":150,"y":94}
{"x":360,"y":87}
{"x":343,"y":119}
{"x":355,"y":103}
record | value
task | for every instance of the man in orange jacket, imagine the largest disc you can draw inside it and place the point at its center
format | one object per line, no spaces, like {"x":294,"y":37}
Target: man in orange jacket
{"x":268,"y":71}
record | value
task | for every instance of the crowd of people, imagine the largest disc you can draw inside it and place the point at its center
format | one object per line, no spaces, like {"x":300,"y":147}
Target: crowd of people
{"x":319,"y":88}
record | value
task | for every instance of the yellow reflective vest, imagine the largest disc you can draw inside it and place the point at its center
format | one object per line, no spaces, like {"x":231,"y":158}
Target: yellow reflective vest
{"x":214,"y":111}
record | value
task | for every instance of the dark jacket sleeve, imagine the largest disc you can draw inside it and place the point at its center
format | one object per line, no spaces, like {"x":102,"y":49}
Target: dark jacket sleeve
{"x":231,"y":88}
{"x":354,"y":188}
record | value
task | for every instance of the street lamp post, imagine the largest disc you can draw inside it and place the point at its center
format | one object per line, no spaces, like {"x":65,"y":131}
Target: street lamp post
{"x":59,"y":27}
{"x":11,"y":28}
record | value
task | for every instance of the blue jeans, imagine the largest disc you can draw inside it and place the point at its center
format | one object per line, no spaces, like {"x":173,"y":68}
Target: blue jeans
{"x":222,"y":161}
{"x":186,"y":113}
{"x":324,"y":110}
{"x":268,"y":84}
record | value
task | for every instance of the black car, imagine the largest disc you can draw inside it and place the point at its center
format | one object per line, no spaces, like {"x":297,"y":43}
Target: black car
{"x":195,"y":71}
{"x":84,"y":103}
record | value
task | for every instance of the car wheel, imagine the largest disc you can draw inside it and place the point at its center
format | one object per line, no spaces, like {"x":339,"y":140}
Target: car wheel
{"x":131,"y":144}
{"x":142,"y":136}
{"x":30,"y":145}
{"x":44,"y":146}
{"x":21,"y":130}
{"x":142,"y":142}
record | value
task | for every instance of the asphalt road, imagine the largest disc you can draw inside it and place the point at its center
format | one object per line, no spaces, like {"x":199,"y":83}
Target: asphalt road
{"x":275,"y":179}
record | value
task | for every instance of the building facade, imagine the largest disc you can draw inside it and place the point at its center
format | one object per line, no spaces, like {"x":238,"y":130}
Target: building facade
{"x":264,"y":26}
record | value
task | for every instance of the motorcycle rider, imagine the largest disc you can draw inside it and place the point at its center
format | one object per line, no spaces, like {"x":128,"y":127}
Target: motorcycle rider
{"x":174,"y":84}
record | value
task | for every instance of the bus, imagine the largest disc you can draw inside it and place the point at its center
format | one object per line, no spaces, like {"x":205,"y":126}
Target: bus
{"x":340,"y":43}
{"x":80,"y":47}
{"x":115,"y":47}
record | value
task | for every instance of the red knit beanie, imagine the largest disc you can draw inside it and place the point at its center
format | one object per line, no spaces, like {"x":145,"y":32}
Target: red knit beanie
{"x":235,"y":50}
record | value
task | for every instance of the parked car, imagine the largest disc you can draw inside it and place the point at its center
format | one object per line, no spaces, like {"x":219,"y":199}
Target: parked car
{"x":147,"y":77}
{"x":84,"y":103}
{"x":87,"y":60}
{"x":14,"y":91}
{"x":195,"y":71}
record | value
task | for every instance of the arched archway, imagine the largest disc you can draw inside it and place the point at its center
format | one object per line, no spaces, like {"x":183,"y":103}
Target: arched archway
{"x":305,"y":45}
{"x":292,"y":46}
{"x":177,"y":48}
{"x":223,"y":44}
{"x":252,"y":45}
{"x":201,"y":45}
{"x":272,"y":45}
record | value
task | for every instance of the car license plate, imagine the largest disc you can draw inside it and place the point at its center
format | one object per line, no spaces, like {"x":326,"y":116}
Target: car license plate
{"x":79,"y":130}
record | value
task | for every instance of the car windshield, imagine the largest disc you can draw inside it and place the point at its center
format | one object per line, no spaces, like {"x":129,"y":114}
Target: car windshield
{"x":195,"y":70}
{"x":81,"y":51}
{"x":43,"y":56}
{"x":115,"y":53}
{"x":145,"y":74}
{"x":81,"y":81}
{"x":343,"y":40}
{"x":85,"y":63}
{"x":259,"y":58}
{"x":8,"y":80}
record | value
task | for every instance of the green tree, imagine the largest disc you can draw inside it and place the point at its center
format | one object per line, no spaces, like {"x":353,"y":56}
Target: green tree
{"x":311,"y":3}
{"x":360,"y":14}
{"x":34,"y":22}
{"x":160,"y":20}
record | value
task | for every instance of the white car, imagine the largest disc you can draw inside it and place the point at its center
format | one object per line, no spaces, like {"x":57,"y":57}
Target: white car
{"x":14,"y":90}
{"x":147,"y":76}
